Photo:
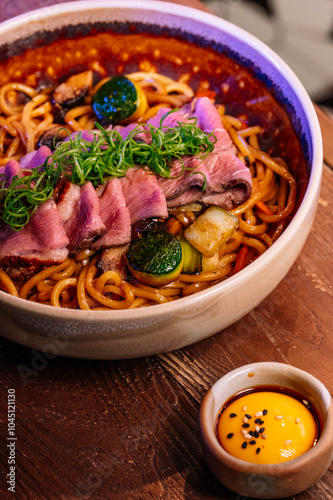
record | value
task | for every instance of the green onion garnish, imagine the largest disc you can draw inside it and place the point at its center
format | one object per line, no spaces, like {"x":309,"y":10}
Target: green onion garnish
{"x":97,"y":161}
{"x":20,"y":200}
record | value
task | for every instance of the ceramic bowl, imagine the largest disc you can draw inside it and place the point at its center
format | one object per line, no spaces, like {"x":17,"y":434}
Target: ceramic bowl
{"x":273,"y":480}
{"x":147,"y":331}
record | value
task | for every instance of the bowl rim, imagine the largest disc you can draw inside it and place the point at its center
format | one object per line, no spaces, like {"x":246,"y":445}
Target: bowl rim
{"x":209,"y":439}
{"x":290,"y":77}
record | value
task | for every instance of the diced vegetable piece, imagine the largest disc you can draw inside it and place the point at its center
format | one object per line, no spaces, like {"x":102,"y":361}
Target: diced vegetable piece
{"x":210,"y":264}
{"x":190,"y":207}
{"x":191,"y":257}
{"x":264,"y":208}
{"x":156,"y":258}
{"x":174,"y":226}
{"x":210,"y":230}
{"x":119,"y":100}
{"x":241,"y":259}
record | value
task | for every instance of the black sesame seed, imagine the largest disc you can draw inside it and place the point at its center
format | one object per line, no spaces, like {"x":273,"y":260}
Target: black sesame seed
{"x":265,"y":412}
{"x":261,"y":422}
{"x":252,"y":441}
{"x":232,"y":415}
{"x":246,"y":426}
{"x":258,"y":450}
{"x":229,"y":436}
{"x":244,"y":445}
{"x":257,"y":420}
{"x":262,"y":430}
{"x":251,"y":433}
{"x":248,"y":416}
{"x":256,"y":434}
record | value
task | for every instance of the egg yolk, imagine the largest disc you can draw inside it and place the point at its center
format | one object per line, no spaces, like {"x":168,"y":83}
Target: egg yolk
{"x":267,"y":428}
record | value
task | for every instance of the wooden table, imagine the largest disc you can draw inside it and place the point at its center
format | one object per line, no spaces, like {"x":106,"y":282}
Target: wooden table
{"x":127,"y":430}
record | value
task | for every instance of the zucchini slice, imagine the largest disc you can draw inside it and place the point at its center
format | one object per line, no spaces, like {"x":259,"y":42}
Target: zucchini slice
{"x":191,"y":257}
{"x":156,"y":258}
{"x":210,"y":230}
{"x":119,"y":100}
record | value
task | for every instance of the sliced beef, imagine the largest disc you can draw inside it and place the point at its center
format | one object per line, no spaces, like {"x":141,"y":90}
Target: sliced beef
{"x":181,"y":181}
{"x":191,"y":195}
{"x":170,"y":120}
{"x":228,"y":199}
{"x":86,"y":135}
{"x":41,"y":242}
{"x":229,"y":183}
{"x":67,"y":198}
{"x":144,"y":198}
{"x":209,"y":120}
{"x":36,"y":158}
{"x":225,"y":170}
{"x":11,"y":169}
{"x":141,"y":135}
{"x":114,"y":259}
{"x":85,"y":222}
{"x":115,"y":216}
{"x":228,"y":180}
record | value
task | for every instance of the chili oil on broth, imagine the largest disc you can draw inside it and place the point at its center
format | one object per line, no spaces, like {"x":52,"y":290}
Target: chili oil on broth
{"x":110,"y":54}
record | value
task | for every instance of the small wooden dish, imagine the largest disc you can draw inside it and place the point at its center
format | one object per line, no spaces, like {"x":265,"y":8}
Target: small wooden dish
{"x":273,"y":480}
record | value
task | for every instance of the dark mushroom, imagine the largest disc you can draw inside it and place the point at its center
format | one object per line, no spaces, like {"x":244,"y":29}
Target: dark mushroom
{"x":71,"y":93}
{"x":52,"y":136}
{"x":114,"y":259}
{"x":142,"y":226}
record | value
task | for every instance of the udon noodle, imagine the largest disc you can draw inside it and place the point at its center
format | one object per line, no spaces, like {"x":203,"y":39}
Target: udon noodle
{"x":78,"y":282}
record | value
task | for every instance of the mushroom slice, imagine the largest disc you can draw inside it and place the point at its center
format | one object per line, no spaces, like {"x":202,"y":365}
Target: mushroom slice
{"x":114,"y":259}
{"x":71,"y":92}
{"x":53,"y":136}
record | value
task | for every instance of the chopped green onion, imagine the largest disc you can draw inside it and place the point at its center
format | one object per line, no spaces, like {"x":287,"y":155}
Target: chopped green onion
{"x":20,"y":200}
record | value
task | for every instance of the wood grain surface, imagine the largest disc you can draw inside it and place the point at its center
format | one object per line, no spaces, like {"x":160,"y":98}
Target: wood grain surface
{"x":124,"y":430}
